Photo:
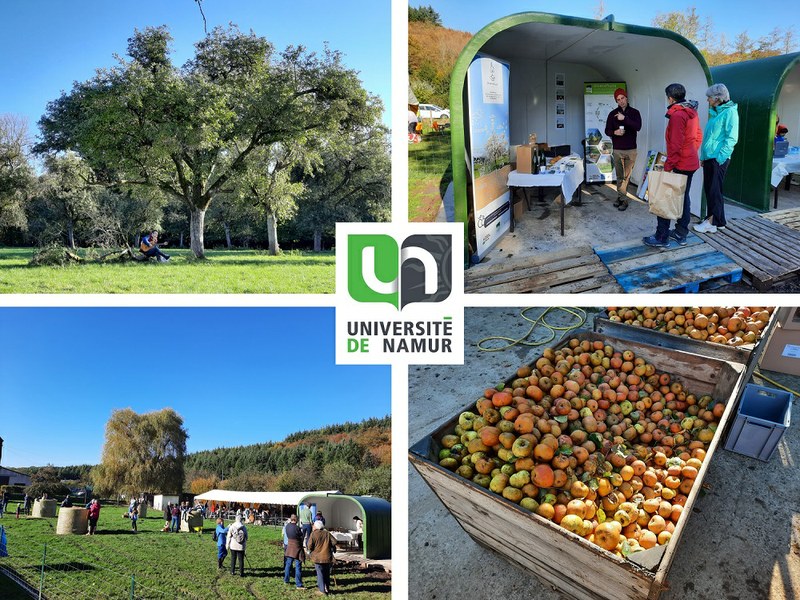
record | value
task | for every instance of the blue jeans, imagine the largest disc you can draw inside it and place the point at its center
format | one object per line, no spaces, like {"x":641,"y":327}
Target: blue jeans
{"x":176,"y":524}
{"x":323,"y":576}
{"x":155,"y":251}
{"x":682,"y":224}
{"x":298,"y":576}
{"x":306,"y":527}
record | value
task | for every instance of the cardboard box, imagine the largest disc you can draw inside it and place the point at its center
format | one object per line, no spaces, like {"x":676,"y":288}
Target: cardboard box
{"x":530,"y":541}
{"x":783,"y":352}
{"x":525,"y":158}
{"x":789,"y":317}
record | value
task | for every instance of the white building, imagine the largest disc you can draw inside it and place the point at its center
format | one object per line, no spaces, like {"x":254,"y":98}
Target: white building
{"x":11,"y":477}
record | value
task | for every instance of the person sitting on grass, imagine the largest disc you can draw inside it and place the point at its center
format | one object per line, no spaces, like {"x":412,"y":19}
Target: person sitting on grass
{"x":149,"y":247}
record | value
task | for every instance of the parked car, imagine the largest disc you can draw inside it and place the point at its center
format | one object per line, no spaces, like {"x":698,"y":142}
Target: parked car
{"x":431,"y":111}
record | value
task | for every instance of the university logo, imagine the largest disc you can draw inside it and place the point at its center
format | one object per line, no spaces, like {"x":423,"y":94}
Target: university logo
{"x":417,"y":270}
{"x":399,"y":293}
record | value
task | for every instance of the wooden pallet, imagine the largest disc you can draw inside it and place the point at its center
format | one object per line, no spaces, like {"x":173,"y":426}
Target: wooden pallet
{"x":571,"y":271}
{"x":765,"y":249}
{"x":642,"y":269}
{"x":789,"y":217}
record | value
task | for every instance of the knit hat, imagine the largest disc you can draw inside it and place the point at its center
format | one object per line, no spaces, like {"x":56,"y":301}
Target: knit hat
{"x":620,"y":92}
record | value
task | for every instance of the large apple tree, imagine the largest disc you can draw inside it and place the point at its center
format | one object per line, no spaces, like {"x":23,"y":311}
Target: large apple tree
{"x":192,"y":131}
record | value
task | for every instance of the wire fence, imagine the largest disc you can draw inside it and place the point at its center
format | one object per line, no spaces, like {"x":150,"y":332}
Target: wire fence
{"x":46,"y":572}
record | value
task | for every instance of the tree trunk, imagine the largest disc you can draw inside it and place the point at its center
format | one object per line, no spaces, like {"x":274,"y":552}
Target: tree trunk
{"x":197,"y":219}
{"x":317,"y":240}
{"x":181,"y":245}
{"x":70,"y":235}
{"x":272,"y":234}
{"x":228,"y":236}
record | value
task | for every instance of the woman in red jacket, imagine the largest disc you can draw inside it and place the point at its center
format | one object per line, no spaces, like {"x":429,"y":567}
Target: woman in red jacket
{"x":683,"y":141}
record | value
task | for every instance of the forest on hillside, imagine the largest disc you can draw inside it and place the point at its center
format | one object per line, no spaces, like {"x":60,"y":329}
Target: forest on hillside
{"x":354,"y":458}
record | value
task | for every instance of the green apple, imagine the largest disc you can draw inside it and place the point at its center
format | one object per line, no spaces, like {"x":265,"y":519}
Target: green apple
{"x":512,"y":493}
{"x":508,"y":469}
{"x":522,"y":447}
{"x":499,"y":483}
{"x":465,"y":419}
{"x":450,"y":440}
{"x":520,"y":479}
{"x":468,"y":435}
{"x":482,"y":480}
{"x":505,"y":455}
{"x":444,"y":453}
{"x":449,"y":463}
{"x":465,"y":471}
{"x":529,"y":504}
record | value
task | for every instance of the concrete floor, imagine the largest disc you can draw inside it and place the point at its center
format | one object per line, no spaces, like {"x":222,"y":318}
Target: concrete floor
{"x":742,"y":540}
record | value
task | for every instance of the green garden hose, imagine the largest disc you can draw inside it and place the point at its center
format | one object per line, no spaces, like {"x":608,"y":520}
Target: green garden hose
{"x":577,"y":313}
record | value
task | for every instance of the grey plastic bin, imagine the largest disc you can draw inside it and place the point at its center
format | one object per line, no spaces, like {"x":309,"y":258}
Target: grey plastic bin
{"x":761,"y":421}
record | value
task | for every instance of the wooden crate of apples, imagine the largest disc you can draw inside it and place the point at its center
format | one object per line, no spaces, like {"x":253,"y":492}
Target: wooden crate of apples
{"x":593,"y":438}
{"x":733,"y":326}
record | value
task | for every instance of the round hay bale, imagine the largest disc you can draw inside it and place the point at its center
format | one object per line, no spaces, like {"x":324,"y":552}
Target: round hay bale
{"x":72,"y":520}
{"x":142,"y":510}
{"x":43,"y":509}
{"x":192,"y":522}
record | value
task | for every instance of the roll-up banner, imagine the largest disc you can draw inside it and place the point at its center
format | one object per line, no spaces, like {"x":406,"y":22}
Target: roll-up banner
{"x":598,"y":101}
{"x":487,"y":90}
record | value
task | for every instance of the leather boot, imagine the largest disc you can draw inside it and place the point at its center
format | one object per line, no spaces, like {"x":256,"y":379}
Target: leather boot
{"x":623,"y":205}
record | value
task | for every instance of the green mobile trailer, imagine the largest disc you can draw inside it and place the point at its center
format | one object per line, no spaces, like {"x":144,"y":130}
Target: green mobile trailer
{"x":537,"y":48}
{"x":764,"y":89}
{"x":375,"y":514}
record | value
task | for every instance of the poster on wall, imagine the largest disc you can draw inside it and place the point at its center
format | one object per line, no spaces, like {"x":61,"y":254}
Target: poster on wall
{"x":598,"y":101}
{"x":487,"y":90}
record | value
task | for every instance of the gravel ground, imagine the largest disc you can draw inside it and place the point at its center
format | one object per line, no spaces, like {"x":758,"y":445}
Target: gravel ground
{"x":742,"y":542}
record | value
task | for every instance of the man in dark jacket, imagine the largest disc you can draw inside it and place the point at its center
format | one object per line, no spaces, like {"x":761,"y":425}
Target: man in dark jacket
{"x":622,"y":125}
{"x":294,"y":552}
{"x":683,"y":138}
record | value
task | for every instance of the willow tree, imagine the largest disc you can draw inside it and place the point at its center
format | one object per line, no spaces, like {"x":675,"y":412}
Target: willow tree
{"x":142,"y":453}
{"x":190,"y":131}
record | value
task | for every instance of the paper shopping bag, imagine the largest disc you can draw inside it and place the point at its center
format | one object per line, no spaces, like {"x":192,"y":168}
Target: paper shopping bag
{"x":665,"y":192}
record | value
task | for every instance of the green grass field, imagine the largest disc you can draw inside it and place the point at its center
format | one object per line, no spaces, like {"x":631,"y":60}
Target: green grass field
{"x":161,"y":565}
{"x":225,"y":272}
{"x":429,"y":173}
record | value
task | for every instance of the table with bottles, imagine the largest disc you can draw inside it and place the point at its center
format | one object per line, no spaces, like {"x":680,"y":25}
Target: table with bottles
{"x":567,"y":174}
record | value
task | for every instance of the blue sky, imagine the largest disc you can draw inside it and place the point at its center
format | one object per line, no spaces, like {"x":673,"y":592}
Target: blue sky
{"x":236,"y":375}
{"x":729,"y":16}
{"x":45,"y":45}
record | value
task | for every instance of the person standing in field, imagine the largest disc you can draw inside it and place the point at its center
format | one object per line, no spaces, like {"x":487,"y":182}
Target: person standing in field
{"x":306,"y":521}
{"x":237,"y":543}
{"x":321,"y":546}
{"x":176,"y":518}
{"x":221,"y":537}
{"x":94,"y":516}
{"x":293,"y":555}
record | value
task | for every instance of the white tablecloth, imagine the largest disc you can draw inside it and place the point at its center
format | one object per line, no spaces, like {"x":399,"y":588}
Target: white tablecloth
{"x":345,"y":538}
{"x":569,"y":180}
{"x":781,"y":167}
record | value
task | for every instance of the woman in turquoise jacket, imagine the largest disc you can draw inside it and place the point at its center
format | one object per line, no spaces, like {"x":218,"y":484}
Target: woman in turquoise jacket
{"x":719,"y":138}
